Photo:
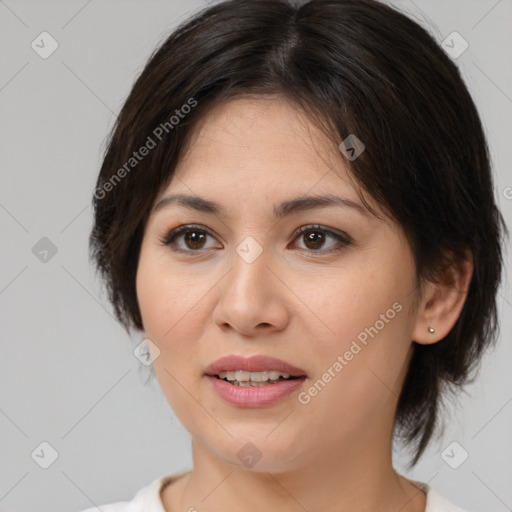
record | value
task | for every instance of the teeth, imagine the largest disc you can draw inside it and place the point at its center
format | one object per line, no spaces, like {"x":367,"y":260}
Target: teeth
{"x":250,"y":384}
{"x":250,"y":377}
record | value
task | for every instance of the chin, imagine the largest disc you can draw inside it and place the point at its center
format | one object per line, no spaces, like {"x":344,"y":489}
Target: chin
{"x":259,"y":454}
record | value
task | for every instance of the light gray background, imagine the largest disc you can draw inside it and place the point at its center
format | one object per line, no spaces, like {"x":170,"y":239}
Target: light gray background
{"x":68,"y":375}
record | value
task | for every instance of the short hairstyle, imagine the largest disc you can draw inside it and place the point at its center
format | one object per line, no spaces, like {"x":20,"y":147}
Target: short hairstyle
{"x":354,"y":67}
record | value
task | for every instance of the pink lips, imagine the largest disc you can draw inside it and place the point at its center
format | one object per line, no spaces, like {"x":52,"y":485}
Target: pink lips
{"x":253,"y":396}
{"x":258,"y":363}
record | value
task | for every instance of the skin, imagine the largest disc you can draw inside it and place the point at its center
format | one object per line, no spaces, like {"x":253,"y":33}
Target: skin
{"x":302,"y":306}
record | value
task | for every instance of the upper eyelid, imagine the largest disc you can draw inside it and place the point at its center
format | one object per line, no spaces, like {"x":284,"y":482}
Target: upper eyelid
{"x":181,"y":230}
{"x":312,"y":227}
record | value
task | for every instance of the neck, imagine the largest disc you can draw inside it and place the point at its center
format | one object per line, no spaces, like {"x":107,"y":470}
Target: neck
{"x":358,"y":477}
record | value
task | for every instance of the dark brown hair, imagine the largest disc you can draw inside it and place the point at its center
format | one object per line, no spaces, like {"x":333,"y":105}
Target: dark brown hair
{"x":355,"y":67}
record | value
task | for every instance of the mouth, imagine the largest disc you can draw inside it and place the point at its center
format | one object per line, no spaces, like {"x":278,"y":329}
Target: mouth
{"x":255,"y":382}
{"x":252,"y":379}
{"x":255,"y":371}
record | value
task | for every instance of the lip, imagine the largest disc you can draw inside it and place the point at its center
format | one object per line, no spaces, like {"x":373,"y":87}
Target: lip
{"x":257,"y":363}
{"x":254,"y":396}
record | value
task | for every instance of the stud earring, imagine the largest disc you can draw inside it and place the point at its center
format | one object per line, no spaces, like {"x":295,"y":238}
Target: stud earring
{"x":431,"y":330}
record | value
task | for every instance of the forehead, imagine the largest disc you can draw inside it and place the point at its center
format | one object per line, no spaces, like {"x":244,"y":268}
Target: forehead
{"x":260,"y":142}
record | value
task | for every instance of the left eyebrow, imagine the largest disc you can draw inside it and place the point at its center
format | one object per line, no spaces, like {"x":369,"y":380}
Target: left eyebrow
{"x":310,"y":202}
{"x":281,"y":210}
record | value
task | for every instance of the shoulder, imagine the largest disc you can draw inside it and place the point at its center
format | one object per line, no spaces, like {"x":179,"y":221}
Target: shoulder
{"x":147,"y":499}
{"x":435,"y":501}
{"x":121,"y":506}
{"x":438,"y":503}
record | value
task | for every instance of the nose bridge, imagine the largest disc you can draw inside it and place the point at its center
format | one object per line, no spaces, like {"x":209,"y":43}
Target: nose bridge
{"x":250,"y":273}
{"x":250,"y":294}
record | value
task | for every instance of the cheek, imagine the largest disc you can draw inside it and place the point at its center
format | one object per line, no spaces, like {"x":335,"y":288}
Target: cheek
{"x":169,"y":308}
{"x":362,"y":317}
{"x":340,"y":307}
{"x":358,"y":369}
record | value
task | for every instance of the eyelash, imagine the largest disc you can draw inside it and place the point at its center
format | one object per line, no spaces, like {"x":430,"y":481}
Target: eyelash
{"x":173,"y":234}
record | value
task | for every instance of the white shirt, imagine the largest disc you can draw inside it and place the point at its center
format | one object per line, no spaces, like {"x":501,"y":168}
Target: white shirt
{"x":148,"y":498}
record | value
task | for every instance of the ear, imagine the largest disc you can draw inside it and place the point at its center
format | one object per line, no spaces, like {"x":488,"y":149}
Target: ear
{"x":442,"y":302}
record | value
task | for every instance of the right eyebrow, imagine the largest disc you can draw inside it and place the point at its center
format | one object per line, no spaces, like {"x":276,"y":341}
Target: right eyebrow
{"x":280,"y":210}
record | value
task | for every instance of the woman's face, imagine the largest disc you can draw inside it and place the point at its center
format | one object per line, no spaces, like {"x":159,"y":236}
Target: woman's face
{"x":245,"y":282}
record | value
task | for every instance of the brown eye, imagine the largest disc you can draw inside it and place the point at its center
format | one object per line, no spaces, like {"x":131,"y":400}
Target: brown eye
{"x":315,"y":237}
{"x":194,"y":239}
{"x":191,"y":239}
{"x":187,"y":239}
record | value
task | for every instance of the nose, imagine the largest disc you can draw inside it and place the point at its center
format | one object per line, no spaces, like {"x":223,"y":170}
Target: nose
{"x":251,"y":298}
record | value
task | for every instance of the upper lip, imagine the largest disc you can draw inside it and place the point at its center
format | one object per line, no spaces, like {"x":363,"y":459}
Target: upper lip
{"x":258,"y":363}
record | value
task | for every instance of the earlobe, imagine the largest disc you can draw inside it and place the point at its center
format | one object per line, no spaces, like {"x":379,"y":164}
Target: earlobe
{"x":442,"y":302}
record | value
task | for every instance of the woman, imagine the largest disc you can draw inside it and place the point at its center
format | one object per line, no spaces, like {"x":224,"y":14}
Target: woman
{"x":296,"y":209}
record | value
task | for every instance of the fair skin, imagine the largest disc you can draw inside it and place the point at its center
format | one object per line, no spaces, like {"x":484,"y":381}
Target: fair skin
{"x":296,"y":302}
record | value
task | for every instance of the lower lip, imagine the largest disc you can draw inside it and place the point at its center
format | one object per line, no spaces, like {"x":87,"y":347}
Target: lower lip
{"x":255,"y":396}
